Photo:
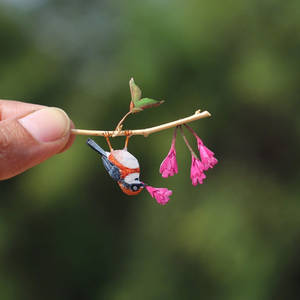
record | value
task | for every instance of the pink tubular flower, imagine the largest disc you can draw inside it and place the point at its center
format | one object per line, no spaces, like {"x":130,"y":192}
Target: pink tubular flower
{"x":160,"y":194}
{"x":197,"y":174}
{"x":169,"y":165}
{"x":207,"y":156}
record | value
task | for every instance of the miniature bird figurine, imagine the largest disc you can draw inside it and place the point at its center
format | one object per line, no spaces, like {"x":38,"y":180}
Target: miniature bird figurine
{"x":122,"y":167}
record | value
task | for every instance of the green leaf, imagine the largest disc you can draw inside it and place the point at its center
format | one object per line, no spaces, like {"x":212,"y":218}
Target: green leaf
{"x":135,"y":91}
{"x":137,"y":104}
{"x":147,"y":102}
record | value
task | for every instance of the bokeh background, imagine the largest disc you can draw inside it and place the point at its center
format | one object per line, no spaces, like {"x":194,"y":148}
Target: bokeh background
{"x":67,"y":231}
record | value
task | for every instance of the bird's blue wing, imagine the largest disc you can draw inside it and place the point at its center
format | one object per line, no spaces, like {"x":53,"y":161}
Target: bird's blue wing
{"x":96,"y":147}
{"x":112,"y":170}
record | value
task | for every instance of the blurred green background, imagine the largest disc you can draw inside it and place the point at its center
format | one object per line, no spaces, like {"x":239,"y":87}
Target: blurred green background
{"x":67,"y":231}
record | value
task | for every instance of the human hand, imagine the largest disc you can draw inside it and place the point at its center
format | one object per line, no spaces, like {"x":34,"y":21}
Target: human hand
{"x":30,"y":134}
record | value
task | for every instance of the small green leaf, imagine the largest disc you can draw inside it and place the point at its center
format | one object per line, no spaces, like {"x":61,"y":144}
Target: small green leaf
{"x":147,"y":102}
{"x":135,"y":91}
{"x":137,"y":104}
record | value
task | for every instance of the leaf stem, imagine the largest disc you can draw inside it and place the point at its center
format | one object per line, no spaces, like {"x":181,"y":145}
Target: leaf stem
{"x":145,"y":132}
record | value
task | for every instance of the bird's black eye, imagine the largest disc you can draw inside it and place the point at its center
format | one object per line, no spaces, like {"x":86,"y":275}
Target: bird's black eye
{"x":134,"y":187}
{"x":136,"y":179}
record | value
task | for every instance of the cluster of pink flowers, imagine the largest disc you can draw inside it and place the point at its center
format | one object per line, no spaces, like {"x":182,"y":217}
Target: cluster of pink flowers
{"x":169,"y":166}
{"x":207,"y":160}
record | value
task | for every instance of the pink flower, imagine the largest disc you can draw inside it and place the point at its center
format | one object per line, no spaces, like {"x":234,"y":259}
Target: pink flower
{"x":169,"y":165}
{"x":207,"y":156}
{"x":160,"y":194}
{"x":197,"y":168}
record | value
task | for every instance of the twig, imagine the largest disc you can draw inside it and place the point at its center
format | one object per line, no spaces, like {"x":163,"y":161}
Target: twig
{"x":187,"y":143}
{"x":145,"y":132}
{"x":120,"y":124}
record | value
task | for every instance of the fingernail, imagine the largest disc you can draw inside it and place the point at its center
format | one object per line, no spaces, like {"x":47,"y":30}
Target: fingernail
{"x":47,"y":124}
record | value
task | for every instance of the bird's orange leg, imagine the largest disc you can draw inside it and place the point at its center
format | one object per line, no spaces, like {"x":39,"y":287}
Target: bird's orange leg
{"x":128,"y":135}
{"x":107,"y":135}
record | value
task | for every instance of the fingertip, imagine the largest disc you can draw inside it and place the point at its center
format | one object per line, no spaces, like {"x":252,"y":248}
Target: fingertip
{"x":71,"y":138}
{"x":47,"y":125}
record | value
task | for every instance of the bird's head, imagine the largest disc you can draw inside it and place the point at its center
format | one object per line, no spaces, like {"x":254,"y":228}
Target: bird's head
{"x":131,"y":184}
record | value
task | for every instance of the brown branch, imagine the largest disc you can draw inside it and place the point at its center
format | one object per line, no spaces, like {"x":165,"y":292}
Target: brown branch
{"x":145,"y":132}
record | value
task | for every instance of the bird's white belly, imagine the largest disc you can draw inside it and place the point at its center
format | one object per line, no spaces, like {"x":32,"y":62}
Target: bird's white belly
{"x":126,"y":159}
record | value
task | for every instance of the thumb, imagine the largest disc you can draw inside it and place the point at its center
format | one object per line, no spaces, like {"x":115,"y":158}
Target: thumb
{"x":27,"y":141}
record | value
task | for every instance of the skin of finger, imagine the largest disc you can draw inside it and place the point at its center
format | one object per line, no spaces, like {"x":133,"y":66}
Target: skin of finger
{"x":10,"y":109}
{"x":71,"y":139}
{"x":23,"y":152}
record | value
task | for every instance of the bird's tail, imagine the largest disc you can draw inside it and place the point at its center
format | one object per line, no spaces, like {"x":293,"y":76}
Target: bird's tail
{"x":96,"y":147}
